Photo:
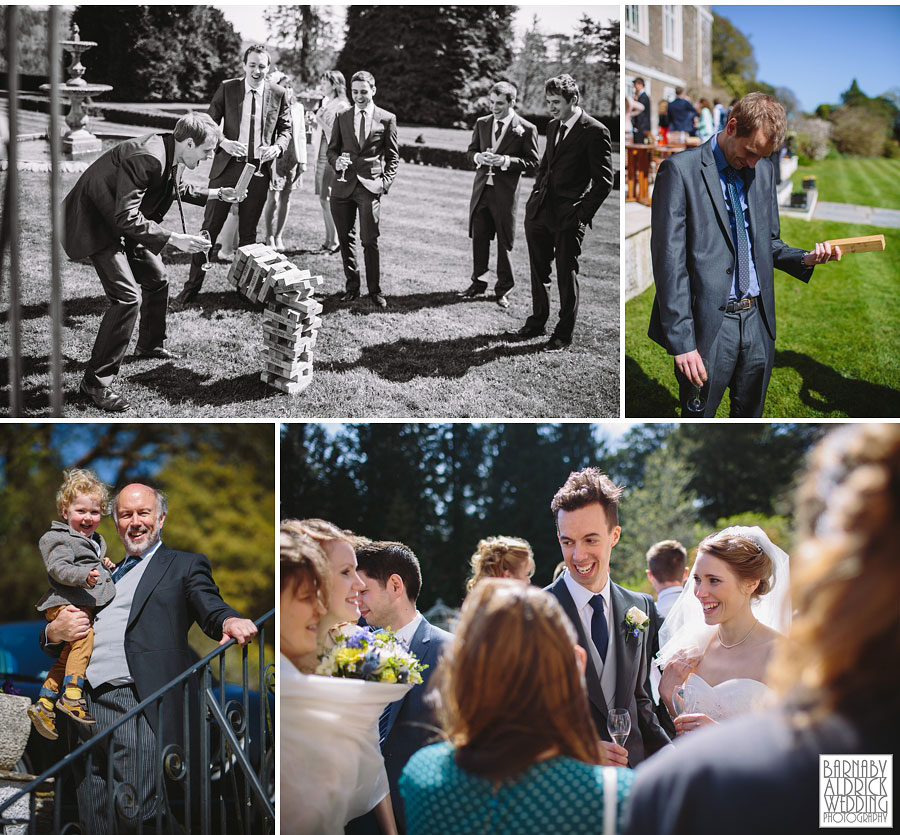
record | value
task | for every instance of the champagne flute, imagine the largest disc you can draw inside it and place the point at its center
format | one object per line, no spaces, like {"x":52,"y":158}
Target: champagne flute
{"x":208,"y":265}
{"x":678,"y":701}
{"x":343,"y":177}
{"x":618,"y":723}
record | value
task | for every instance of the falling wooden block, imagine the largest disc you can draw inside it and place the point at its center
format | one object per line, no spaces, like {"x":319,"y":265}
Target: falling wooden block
{"x":867,"y":243}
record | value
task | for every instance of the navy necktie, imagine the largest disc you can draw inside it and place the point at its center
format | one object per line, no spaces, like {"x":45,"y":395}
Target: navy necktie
{"x":383,"y":724}
{"x":599,"y":629}
{"x":251,"y":144}
{"x":124,"y":568}
{"x":561,"y":135}
{"x":743,"y":242}
{"x":498,"y":131}
{"x":362,"y":128}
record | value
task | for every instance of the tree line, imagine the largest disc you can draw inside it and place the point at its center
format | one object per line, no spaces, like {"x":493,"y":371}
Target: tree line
{"x":439,"y":488}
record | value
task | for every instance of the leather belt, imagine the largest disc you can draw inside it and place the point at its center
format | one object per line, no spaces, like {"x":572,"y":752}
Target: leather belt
{"x":740,"y":304}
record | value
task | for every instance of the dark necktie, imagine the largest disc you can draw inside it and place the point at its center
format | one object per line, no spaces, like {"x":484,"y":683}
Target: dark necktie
{"x":251,"y":144}
{"x":125,"y":567}
{"x":561,"y":135}
{"x":743,"y":242}
{"x":383,"y":724}
{"x":599,"y":629}
{"x":497,"y":132}
{"x":362,"y":128}
{"x":178,"y":196}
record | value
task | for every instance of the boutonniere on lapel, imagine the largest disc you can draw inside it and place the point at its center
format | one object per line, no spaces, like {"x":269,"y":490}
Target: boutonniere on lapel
{"x":518,"y":130}
{"x":635,"y":622}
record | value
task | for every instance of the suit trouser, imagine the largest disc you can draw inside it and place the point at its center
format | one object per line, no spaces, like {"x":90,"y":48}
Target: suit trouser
{"x":133,"y":756}
{"x":343,"y":210}
{"x":134,"y":280}
{"x":740,"y":359}
{"x":547,"y":244}
{"x":75,"y":655}
{"x":249,"y":212}
{"x":485,"y":224}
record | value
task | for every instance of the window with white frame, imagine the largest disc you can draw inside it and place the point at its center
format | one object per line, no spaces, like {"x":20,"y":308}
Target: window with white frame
{"x":636,"y":23}
{"x":672,"y":32}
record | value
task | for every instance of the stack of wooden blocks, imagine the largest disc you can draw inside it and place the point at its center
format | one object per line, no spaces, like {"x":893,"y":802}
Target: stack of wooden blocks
{"x":290,"y":320}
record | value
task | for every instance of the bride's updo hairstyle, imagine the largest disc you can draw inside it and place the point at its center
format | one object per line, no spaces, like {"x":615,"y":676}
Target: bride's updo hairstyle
{"x":510,"y":687}
{"x":744,"y":557}
{"x":847,"y":622}
{"x":303,"y":561}
{"x":497,"y":554}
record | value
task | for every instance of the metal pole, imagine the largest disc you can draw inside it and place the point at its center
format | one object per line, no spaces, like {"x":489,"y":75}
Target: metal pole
{"x":56,"y":309}
{"x":12,"y":213}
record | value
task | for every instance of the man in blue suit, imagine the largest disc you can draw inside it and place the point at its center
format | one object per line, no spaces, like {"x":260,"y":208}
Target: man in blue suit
{"x":393,"y":579}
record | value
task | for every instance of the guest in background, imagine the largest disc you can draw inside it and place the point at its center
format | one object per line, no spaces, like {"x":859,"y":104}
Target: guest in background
{"x":641,"y":121}
{"x":705,"y":127}
{"x":501,"y":556}
{"x":682,"y":113}
{"x":663,"y":120}
{"x":667,"y":572}
{"x":720,"y":115}
{"x":334,"y":103}
{"x":522,"y":753}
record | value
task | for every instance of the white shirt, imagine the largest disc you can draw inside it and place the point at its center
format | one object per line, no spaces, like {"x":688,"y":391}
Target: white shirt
{"x":576,"y":115}
{"x":406,"y":633}
{"x":244,"y":134}
{"x":582,"y":598}
{"x":504,"y":122}
{"x":666,"y":599}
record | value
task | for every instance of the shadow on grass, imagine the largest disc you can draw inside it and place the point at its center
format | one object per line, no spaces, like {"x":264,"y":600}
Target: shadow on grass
{"x":177,"y":384}
{"x":36,"y":383}
{"x":824,"y":390}
{"x":645,"y":397}
{"x":410,"y":303}
{"x":410,"y":359}
{"x":87,"y":306}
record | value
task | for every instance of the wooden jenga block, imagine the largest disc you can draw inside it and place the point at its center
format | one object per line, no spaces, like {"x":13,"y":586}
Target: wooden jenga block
{"x":239,"y":262}
{"x":287,"y":387}
{"x":267,"y":291}
{"x":867,"y":243}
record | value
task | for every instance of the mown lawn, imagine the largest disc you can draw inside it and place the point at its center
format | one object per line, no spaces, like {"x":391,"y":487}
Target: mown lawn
{"x":428,"y":354}
{"x":837,"y":353}
{"x":857,"y":180}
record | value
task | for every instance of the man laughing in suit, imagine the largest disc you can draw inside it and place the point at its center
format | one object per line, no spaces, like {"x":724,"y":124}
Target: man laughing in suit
{"x":503,"y":147}
{"x":586,"y":511}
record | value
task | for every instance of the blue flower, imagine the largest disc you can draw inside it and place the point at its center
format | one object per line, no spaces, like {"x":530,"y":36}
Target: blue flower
{"x":369,"y":665}
{"x":359,"y":639}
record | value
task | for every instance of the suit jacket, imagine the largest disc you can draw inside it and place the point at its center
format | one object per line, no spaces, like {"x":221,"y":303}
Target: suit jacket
{"x":681,"y":115}
{"x":632,"y":671}
{"x":125,"y":192}
{"x":520,"y":144}
{"x":69,"y":558}
{"x":641,"y":121}
{"x":693,"y":251}
{"x":378,"y":157}
{"x":575,"y":178}
{"x":227,"y":107}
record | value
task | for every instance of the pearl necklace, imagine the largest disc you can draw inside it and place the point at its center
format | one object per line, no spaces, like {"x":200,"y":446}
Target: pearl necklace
{"x":732,"y":646}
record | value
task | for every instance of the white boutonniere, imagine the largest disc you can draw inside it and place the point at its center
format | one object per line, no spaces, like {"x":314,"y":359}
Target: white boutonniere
{"x":518,"y":130}
{"x":636,"y":622}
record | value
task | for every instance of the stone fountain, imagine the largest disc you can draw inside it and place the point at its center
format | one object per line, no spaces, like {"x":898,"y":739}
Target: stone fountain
{"x":78,"y":139}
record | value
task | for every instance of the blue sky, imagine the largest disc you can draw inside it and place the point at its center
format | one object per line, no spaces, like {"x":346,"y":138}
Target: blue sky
{"x":817,"y":51}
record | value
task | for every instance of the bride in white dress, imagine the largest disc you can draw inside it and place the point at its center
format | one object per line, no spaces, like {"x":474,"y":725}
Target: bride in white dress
{"x":718,"y":638}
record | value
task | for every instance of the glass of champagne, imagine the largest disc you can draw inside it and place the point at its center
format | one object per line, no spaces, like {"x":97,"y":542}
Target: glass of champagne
{"x":343,"y":177}
{"x":618,"y":723}
{"x":678,"y":699}
{"x":208,"y":265}
{"x":696,"y":404}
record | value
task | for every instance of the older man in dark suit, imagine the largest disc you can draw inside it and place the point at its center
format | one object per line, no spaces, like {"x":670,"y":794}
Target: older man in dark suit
{"x":113,"y":216}
{"x":256,"y":127}
{"x":363,"y":150}
{"x":573,"y":179}
{"x":715,"y":242}
{"x":393,"y":579}
{"x":503,"y":147}
{"x":619,"y":652}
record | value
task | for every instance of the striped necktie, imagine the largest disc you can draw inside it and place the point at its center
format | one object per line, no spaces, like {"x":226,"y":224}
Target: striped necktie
{"x":383,"y":724}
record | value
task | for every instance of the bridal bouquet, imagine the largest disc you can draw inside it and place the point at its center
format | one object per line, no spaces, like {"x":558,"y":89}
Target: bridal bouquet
{"x":362,"y":654}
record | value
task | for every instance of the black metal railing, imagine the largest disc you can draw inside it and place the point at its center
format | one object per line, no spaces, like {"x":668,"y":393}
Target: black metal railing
{"x":219,"y":776}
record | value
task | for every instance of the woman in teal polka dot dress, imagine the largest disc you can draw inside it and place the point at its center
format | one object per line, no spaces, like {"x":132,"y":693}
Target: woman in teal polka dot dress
{"x":523,"y":755}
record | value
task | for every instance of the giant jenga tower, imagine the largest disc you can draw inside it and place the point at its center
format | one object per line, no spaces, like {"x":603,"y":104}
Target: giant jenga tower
{"x":290,"y":320}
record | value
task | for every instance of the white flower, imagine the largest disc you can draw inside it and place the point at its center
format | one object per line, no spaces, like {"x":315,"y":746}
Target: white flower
{"x":636,"y":617}
{"x":518,"y":130}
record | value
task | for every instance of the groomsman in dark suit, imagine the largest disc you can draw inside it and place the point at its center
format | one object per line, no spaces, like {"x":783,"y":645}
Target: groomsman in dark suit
{"x":256,"y":127}
{"x":113,"y":216}
{"x":573,"y":179}
{"x":503,"y":146}
{"x":393,"y":579}
{"x":586,"y":509}
{"x":367,"y":135}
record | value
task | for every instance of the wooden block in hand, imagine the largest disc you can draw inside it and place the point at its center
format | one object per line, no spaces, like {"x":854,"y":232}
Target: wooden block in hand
{"x":867,"y":243}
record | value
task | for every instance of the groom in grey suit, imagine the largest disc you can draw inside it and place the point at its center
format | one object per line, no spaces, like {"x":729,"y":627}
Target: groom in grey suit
{"x":715,"y":241}
{"x":393,"y":579}
{"x":586,"y":512}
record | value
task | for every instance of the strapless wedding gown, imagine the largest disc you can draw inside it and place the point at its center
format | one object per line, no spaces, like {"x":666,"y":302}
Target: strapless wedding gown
{"x":735,"y":697}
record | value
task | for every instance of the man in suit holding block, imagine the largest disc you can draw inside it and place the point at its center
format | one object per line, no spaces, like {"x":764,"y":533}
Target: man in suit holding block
{"x":363,"y":150}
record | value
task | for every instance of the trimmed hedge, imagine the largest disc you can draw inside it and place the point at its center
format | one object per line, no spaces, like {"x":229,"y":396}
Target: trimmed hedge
{"x":541,"y":120}
{"x":109,"y":112}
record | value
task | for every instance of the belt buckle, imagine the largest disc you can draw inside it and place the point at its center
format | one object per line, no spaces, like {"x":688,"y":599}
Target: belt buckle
{"x":745,"y":303}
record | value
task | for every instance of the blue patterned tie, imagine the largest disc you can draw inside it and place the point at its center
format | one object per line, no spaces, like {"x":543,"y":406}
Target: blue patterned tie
{"x":124,"y":568}
{"x":383,"y":724}
{"x":599,"y":629}
{"x":743,"y":242}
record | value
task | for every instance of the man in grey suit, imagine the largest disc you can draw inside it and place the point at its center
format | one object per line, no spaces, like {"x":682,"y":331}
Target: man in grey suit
{"x":586,"y":512}
{"x":393,"y":579}
{"x":715,"y":241}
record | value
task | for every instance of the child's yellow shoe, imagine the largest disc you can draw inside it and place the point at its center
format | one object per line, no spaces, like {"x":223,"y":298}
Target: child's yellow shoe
{"x":75,"y":709}
{"x":44,"y":720}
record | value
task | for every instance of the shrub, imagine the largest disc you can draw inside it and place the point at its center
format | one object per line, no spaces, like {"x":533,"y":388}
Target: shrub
{"x":858,"y":131}
{"x":812,"y":137}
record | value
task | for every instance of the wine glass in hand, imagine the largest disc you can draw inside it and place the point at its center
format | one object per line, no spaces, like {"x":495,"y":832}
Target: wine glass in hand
{"x":343,"y":177}
{"x":208,"y":265}
{"x":618,"y":723}
{"x":696,"y":404}
{"x":678,"y":699}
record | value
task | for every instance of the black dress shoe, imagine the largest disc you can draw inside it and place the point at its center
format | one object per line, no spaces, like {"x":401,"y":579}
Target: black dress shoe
{"x":555,"y":344}
{"x":526,"y":332}
{"x":350,"y":296}
{"x":472,"y":291}
{"x":103,"y":397}
{"x":177,"y":304}
{"x":503,"y":300}
{"x":378,"y":300}
{"x":156,"y":354}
